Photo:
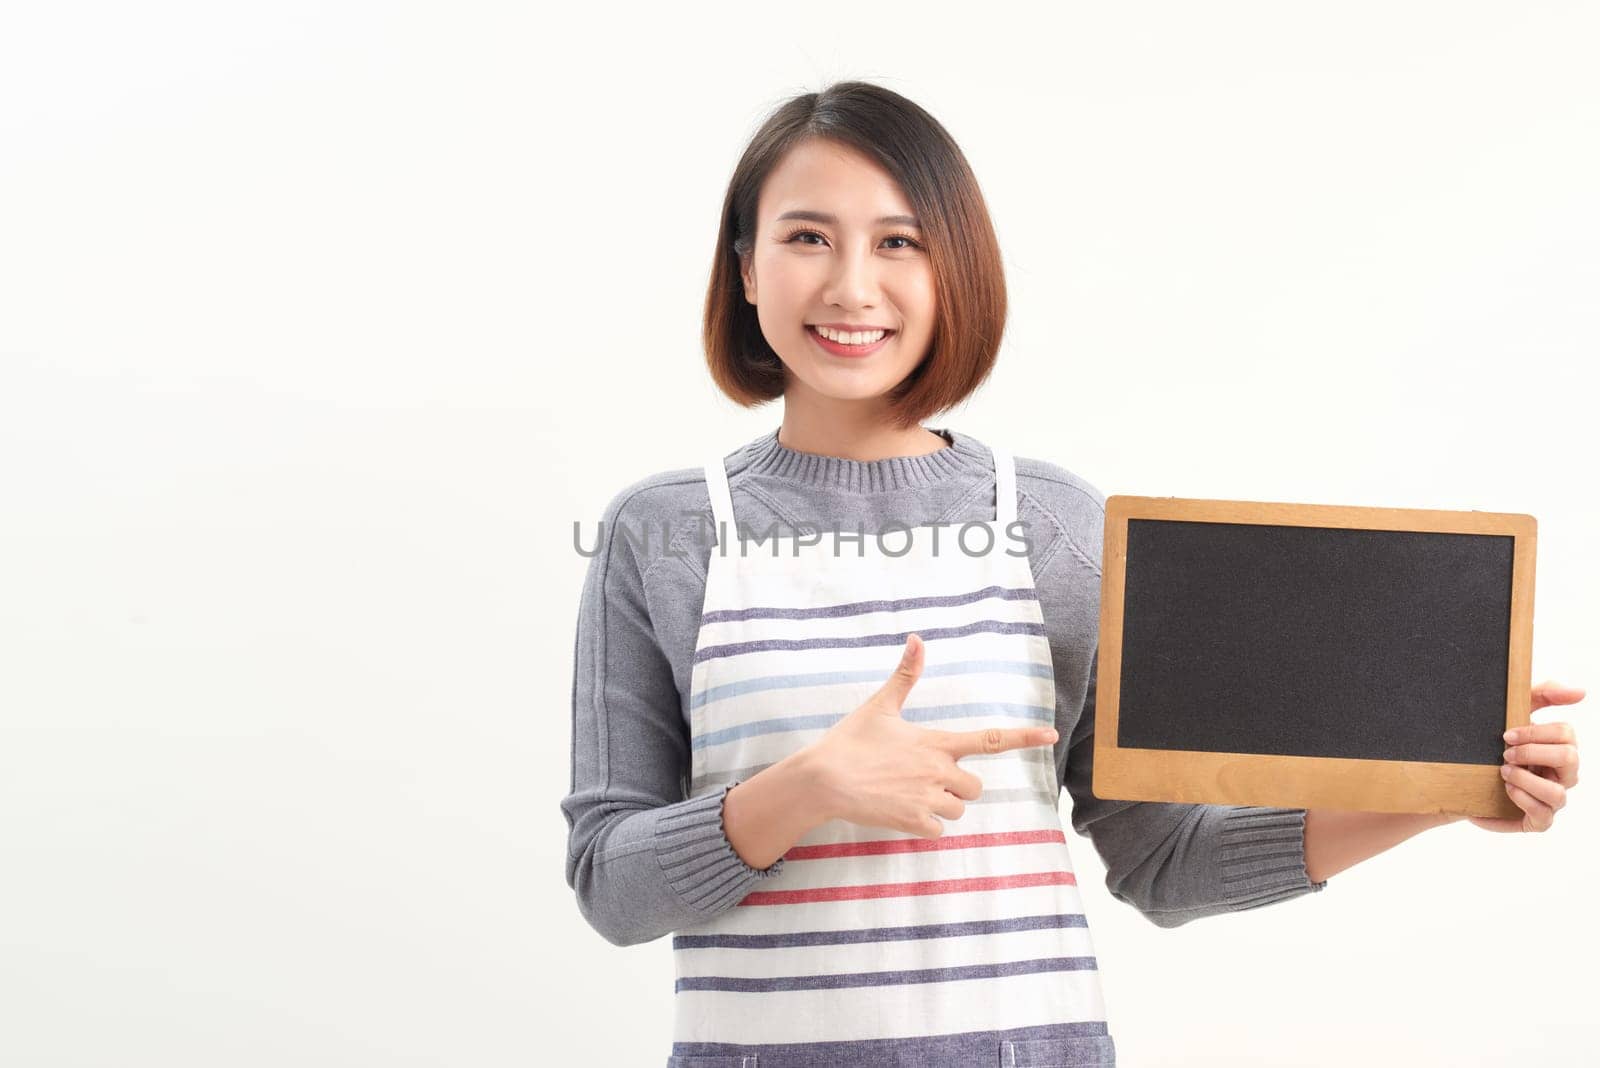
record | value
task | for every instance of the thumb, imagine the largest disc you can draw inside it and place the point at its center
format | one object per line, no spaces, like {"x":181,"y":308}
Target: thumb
{"x":1551,"y":692}
{"x":892,"y":693}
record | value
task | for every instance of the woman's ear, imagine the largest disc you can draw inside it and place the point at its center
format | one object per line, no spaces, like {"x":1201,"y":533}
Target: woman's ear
{"x":747,"y":271}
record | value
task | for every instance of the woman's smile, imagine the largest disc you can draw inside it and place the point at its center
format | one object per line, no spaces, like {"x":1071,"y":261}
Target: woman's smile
{"x":838,"y":348}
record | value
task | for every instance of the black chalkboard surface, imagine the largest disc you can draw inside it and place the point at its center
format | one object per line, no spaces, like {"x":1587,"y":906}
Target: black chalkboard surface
{"x":1298,"y":655}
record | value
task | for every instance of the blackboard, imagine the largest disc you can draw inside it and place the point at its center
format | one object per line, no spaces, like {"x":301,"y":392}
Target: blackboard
{"x":1305,"y":655}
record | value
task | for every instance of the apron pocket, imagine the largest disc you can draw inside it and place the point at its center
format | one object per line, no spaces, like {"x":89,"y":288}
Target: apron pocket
{"x":1059,"y":1052}
{"x":716,"y":1060}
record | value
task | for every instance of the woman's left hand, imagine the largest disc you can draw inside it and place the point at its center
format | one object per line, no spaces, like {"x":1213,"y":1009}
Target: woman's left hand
{"x":1541,"y":764}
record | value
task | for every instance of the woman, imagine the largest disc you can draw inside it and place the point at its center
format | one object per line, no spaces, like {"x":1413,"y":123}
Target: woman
{"x":857,"y":626}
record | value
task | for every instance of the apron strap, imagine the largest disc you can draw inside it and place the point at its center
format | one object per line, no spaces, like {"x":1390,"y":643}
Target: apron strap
{"x":1005,"y":487}
{"x":721,"y":499}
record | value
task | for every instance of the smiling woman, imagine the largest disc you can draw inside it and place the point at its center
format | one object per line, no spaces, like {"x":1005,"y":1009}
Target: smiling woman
{"x":849,"y":213}
{"x":834,"y":776}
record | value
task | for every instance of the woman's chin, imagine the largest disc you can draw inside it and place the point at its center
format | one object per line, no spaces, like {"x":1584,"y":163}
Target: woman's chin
{"x":844,"y":386}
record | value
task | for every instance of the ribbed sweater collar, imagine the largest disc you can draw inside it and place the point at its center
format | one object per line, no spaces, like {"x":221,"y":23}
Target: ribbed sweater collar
{"x":965,"y":456}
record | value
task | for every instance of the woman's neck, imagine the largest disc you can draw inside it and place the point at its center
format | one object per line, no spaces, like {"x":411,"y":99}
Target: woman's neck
{"x":864,"y":440}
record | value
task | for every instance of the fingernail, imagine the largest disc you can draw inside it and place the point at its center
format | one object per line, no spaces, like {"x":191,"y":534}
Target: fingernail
{"x":1511,"y":735}
{"x":1051,"y":735}
{"x":1505,"y":771}
{"x":1508,"y":753}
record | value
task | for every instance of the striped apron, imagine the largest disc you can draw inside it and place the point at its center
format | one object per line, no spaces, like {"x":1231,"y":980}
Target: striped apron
{"x":872,"y":946}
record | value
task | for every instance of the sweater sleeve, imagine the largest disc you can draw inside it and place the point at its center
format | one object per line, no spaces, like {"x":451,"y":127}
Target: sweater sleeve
{"x":643,"y":858}
{"x":1179,"y":862}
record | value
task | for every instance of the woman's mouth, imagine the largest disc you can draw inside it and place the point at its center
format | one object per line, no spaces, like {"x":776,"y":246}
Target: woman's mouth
{"x":841,"y":349}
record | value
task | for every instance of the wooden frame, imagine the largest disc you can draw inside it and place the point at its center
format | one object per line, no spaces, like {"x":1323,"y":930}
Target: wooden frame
{"x":1303,"y":781}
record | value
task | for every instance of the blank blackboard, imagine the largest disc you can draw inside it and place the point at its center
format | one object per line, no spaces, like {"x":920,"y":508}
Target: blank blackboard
{"x":1295,"y":654}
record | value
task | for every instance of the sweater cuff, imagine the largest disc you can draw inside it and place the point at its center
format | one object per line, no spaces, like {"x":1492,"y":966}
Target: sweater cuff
{"x":1262,"y":852}
{"x":699,"y":861}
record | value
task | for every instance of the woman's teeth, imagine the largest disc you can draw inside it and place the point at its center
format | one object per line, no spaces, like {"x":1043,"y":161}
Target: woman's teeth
{"x":866,"y":338}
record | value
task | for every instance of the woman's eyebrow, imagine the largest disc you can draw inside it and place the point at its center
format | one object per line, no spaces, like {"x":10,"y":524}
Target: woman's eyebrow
{"x":833,"y":220}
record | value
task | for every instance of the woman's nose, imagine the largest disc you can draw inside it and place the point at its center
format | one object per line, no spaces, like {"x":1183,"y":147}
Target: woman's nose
{"x":854,"y":280}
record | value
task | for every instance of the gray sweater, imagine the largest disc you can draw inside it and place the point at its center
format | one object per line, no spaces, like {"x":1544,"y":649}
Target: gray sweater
{"x":644,"y":860}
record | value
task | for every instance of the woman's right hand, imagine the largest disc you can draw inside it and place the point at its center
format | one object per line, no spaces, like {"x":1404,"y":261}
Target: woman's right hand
{"x":876,"y":769}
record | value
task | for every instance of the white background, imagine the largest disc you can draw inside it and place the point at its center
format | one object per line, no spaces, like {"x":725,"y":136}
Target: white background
{"x":321,"y":325}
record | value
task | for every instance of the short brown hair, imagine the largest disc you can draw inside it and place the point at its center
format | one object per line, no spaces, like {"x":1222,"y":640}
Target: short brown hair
{"x":969,"y":279}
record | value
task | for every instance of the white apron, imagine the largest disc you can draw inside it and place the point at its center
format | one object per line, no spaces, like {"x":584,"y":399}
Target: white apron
{"x":872,"y":946}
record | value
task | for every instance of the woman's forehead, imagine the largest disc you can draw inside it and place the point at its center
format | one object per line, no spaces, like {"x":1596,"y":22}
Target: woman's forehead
{"x":826,"y":179}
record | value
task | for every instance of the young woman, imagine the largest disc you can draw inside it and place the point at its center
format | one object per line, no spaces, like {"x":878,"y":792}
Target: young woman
{"x":794,"y":663}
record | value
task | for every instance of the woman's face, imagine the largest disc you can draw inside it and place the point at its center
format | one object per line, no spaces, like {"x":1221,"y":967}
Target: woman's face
{"x":836,"y":245}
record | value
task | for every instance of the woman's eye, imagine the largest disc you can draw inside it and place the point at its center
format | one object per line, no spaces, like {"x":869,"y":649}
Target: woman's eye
{"x":909,"y":242}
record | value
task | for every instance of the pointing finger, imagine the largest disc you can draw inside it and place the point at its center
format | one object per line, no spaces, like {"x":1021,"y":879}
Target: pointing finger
{"x":996,"y":739}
